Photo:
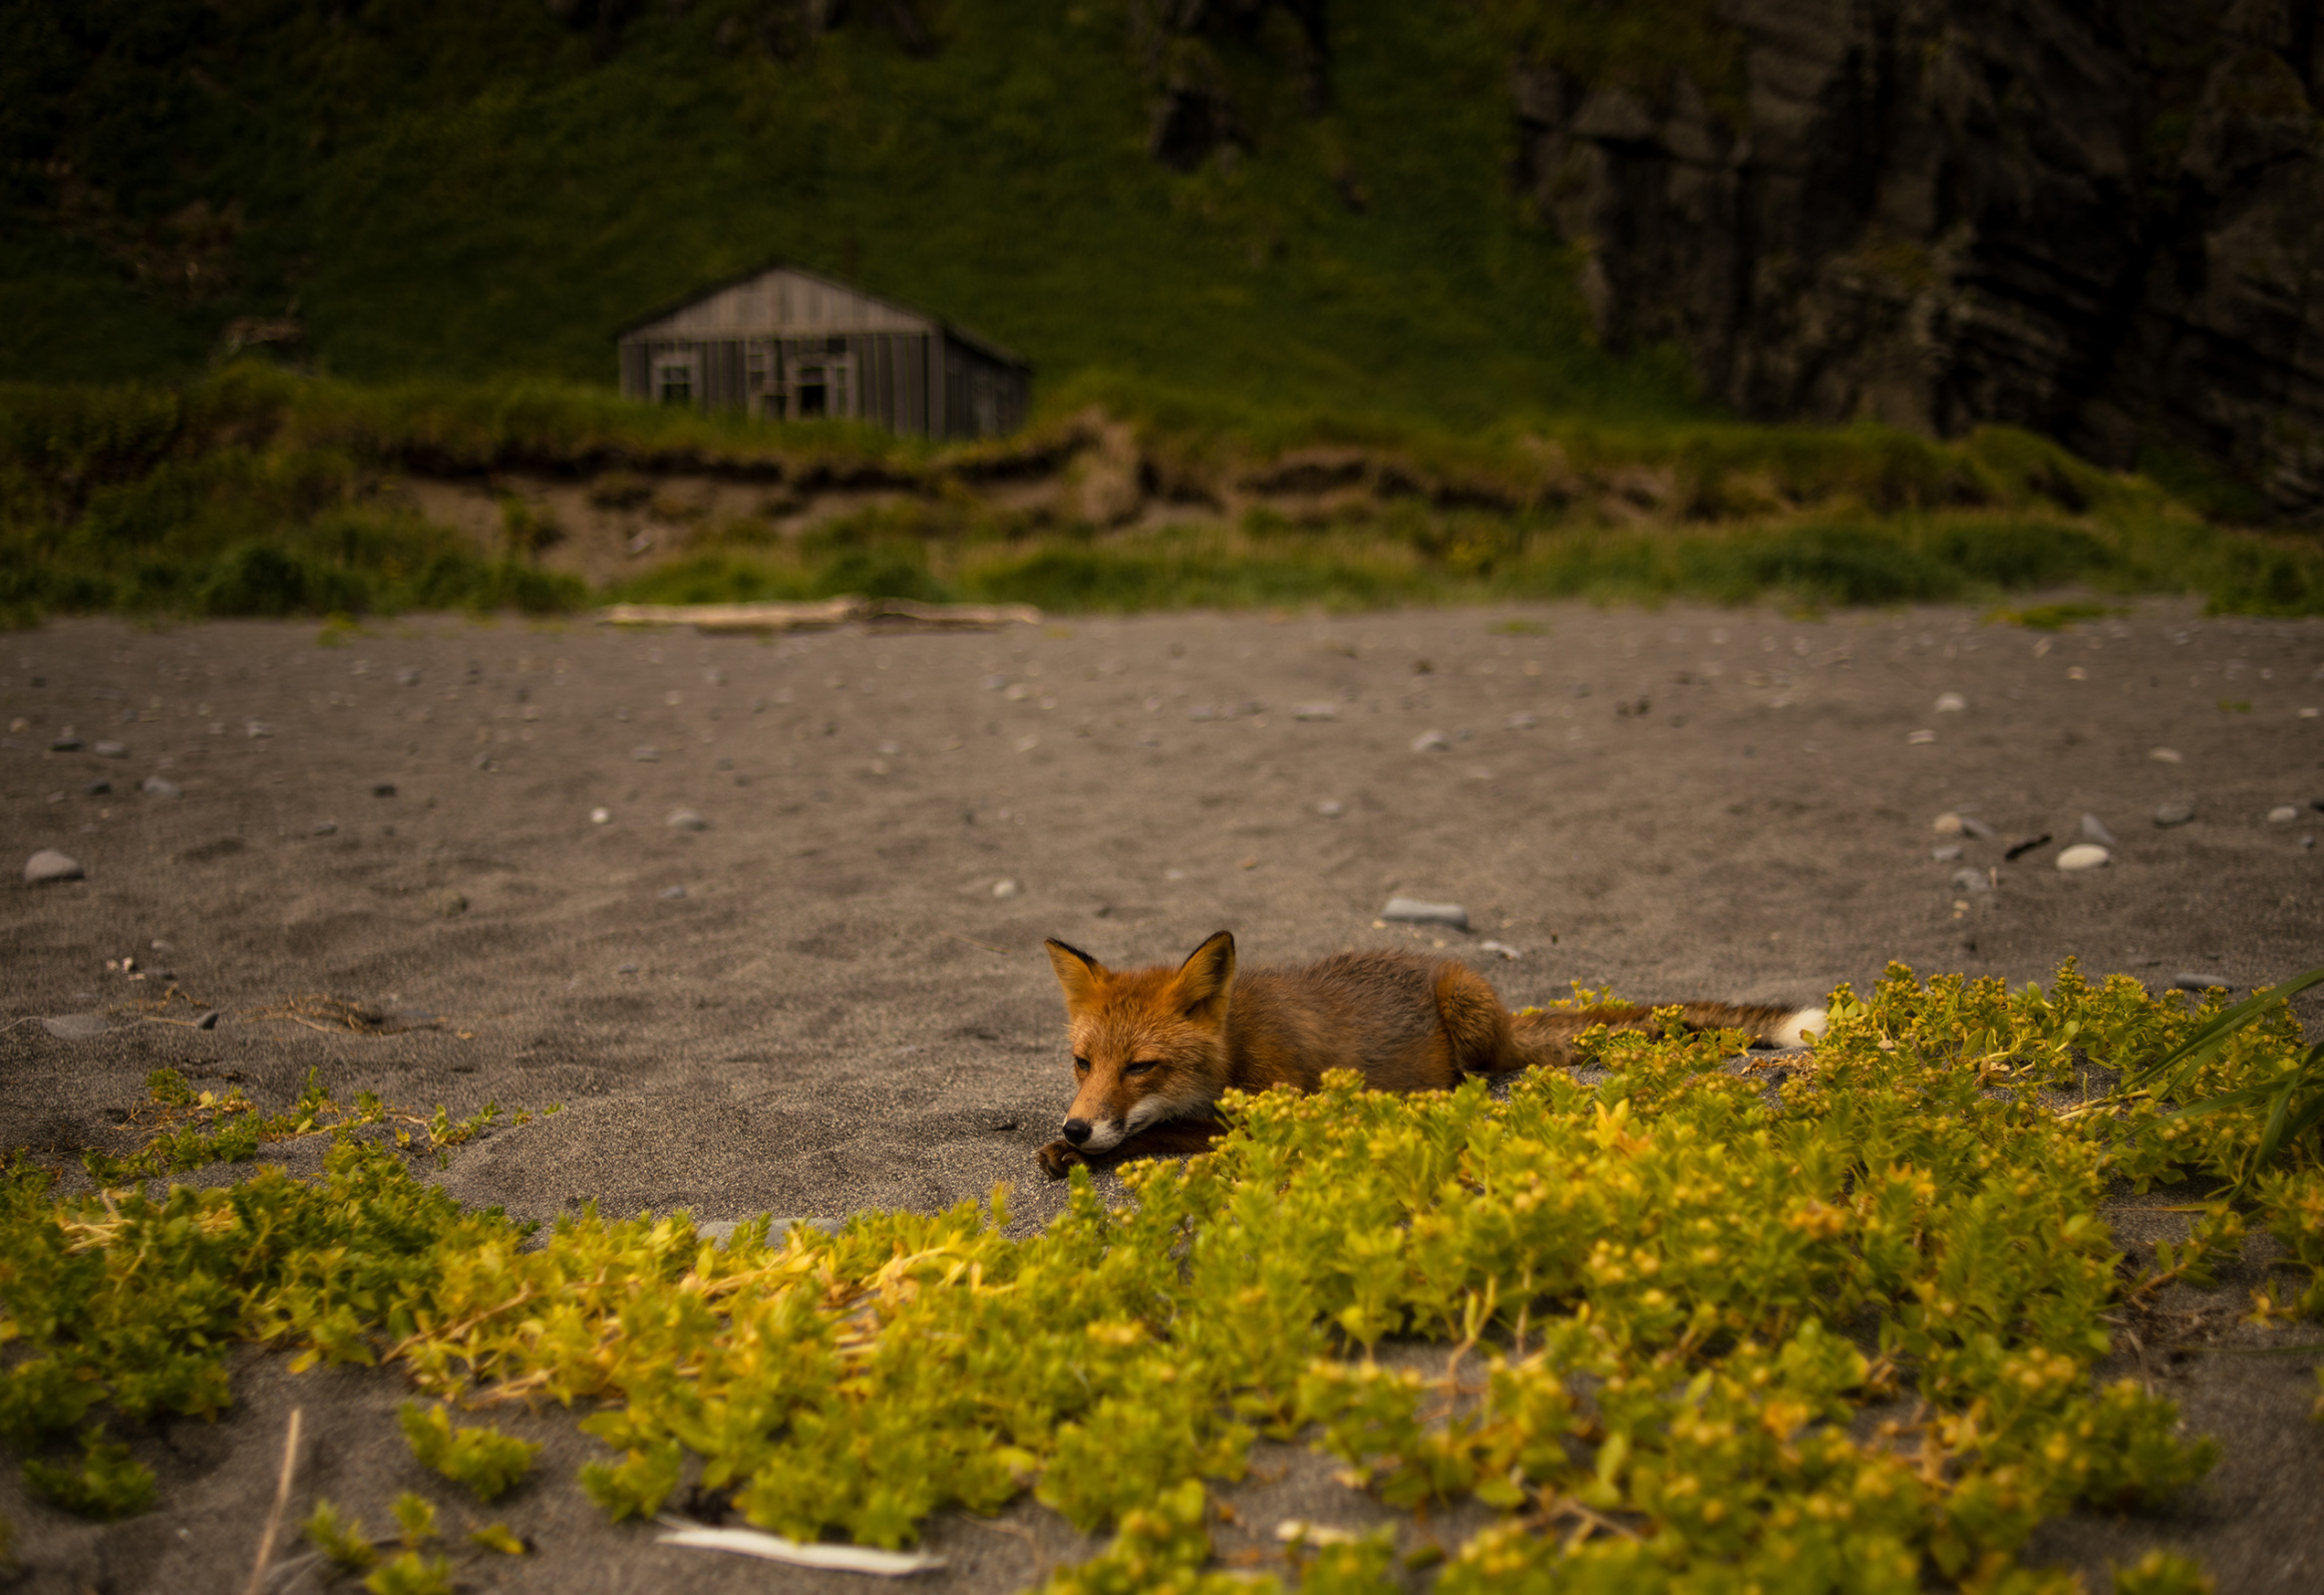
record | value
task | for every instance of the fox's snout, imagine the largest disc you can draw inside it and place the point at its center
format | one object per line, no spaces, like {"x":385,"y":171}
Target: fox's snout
{"x":1077,"y":1130}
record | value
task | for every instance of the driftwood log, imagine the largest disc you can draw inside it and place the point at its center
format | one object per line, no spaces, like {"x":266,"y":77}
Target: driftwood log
{"x":898,"y":614}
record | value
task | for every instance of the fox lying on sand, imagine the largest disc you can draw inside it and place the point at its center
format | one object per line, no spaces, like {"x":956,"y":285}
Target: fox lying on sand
{"x":1154,"y":1049}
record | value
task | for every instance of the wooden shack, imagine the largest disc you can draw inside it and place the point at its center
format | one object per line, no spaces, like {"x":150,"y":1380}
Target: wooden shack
{"x":787,"y":344}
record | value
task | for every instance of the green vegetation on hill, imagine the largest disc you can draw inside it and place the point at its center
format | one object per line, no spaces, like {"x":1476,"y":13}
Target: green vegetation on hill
{"x":1830,"y":1327}
{"x":479,"y":191}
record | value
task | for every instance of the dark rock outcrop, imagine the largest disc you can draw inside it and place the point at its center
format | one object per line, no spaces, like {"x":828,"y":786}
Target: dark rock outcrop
{"x":2096,"y":221}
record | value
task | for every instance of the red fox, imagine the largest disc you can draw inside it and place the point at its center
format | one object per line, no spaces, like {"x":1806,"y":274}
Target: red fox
{"x":1153,"y":1048}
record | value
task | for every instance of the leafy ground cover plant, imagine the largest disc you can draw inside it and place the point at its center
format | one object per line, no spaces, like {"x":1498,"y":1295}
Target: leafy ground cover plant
{"x":477,"y":1455}
{"x":1828,"y":1324}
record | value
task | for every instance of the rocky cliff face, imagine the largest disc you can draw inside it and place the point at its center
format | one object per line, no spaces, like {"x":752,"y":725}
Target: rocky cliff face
{"x":2096,"y":219}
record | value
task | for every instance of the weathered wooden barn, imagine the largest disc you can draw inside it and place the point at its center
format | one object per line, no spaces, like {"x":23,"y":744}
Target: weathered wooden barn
{"x":785,"y":343}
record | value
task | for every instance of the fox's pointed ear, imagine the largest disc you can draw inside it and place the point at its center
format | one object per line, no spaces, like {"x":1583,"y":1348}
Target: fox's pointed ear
{"x":1206,"y":977}
{"x":1078,"y":973}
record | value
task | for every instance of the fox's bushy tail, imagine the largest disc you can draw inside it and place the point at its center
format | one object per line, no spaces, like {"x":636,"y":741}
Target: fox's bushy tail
{"x":1546,"y":1034}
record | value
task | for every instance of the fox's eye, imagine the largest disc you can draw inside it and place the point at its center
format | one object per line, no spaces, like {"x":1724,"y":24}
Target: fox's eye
{"x":1080,"y":1065}
{"x":1140,"y":1066}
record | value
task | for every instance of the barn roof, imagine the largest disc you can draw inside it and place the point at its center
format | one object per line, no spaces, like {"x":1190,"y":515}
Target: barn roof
{"x":959,"y":334}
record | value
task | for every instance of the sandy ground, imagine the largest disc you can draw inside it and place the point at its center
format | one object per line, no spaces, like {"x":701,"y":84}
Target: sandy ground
{"x":824,"y":999}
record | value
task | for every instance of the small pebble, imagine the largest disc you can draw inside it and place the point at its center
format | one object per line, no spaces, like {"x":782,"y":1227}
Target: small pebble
{"x":1970,"y":880}
{"x":1501,"y":947}
{"x":1430,"y":742}
{"x":76,"y":1027}
{"x":2282,"y":814}
{"x":646,"y":756}
{"x":2170,"y":814}
{"x":1951,"y":702}
{"x":383,"y":788}
{"x":686,"y":820}
{"x":155,"y":786}
{"x":2094,"y":830}
{"x":1917,"y":739}
{"x":111,"y":749}
{"x":600,"y":816}
{"x":328,"y":827}
{"x":64,"y":745}
{"x":626,"y":969}
{"x":1972,"y":826}
{"x":1315,"y":711}
{"x":1947,"y":854}
{"x":1947,"y":825}
{"x":254,"y":729}
{"x":1412,"y":911}
{"x":673,"y":893}
{"x":409,"y":676}
{"x":1004,"y":889}
{"x":49,"y":865}
{"x":1519,"y":723}
{"x":1331,"y":808}
{"x":2084,"y":855}
{"x":207,"y":1020}
{"x":2164,"y":755}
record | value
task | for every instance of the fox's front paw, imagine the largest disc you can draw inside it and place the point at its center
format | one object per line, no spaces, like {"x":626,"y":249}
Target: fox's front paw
{"x":1059,"y":1156}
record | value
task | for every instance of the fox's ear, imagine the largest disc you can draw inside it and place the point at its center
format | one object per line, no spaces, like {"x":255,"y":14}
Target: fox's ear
{"x":1078,"y":973}
{"x":1206,"y":977}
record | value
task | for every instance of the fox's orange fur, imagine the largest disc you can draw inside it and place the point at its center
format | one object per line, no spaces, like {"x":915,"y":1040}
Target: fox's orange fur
{"x":1154,"y":1049}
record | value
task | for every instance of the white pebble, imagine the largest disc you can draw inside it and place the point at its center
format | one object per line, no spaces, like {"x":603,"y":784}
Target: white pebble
{"x":48,"y":864}
{"x":1331,"y":808}
{"x":2164,"y":755}
{"x":1430,"y":742}
{"x":2084,"y":855}
{"x":1951,"y":702}
{"x":600,"y":816}
{"x":1918,"y":739}
{"x":687,"y":820}
{"x":1004,"y":889}
{"x":2282,"y":814}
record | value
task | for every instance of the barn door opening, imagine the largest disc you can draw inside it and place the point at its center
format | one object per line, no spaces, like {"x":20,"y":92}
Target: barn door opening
{"x":823,"y":387}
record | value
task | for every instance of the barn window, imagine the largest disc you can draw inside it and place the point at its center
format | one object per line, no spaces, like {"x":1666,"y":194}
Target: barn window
{"x":674,"y":382}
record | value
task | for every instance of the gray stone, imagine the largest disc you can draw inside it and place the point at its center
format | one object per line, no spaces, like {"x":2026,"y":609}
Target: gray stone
{"x":409,"y":676}
{"x":76,"y":1027}
{"x":2094,"y":830}
{"x":646,"y":755}
{"x":111,"y":749}
{"x":1430,"y":742}
{"x":673,"y":893}
{"x":254,"y":729}
{"x":1331,"y":808}
{"x":64,"y":745}
{"x":1412,"y":911}
{"x":1519,"y":722}
{"x":329,"y":827}
{"x":155,"y":786}
{"x":1970,"y":880}
{"x":1946,"y":855}
{"x":1972,"y":826}
{"x":1315,"y":711}
{"x":2174,"y":814}
{"x":47,"y":866}
{"x":686,"y":820}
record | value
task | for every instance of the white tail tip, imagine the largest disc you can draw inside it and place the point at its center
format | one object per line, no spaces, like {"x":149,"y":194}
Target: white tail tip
{"x":1801,"y":1028}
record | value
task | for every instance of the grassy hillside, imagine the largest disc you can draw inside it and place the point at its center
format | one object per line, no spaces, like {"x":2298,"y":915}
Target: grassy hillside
{"x":469,"y":191}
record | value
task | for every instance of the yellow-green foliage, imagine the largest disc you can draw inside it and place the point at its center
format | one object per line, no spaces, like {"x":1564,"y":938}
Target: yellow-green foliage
{"x":343,"y":1540}
{"x":480,"y":1457}
{"x":1704,"y":1332}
